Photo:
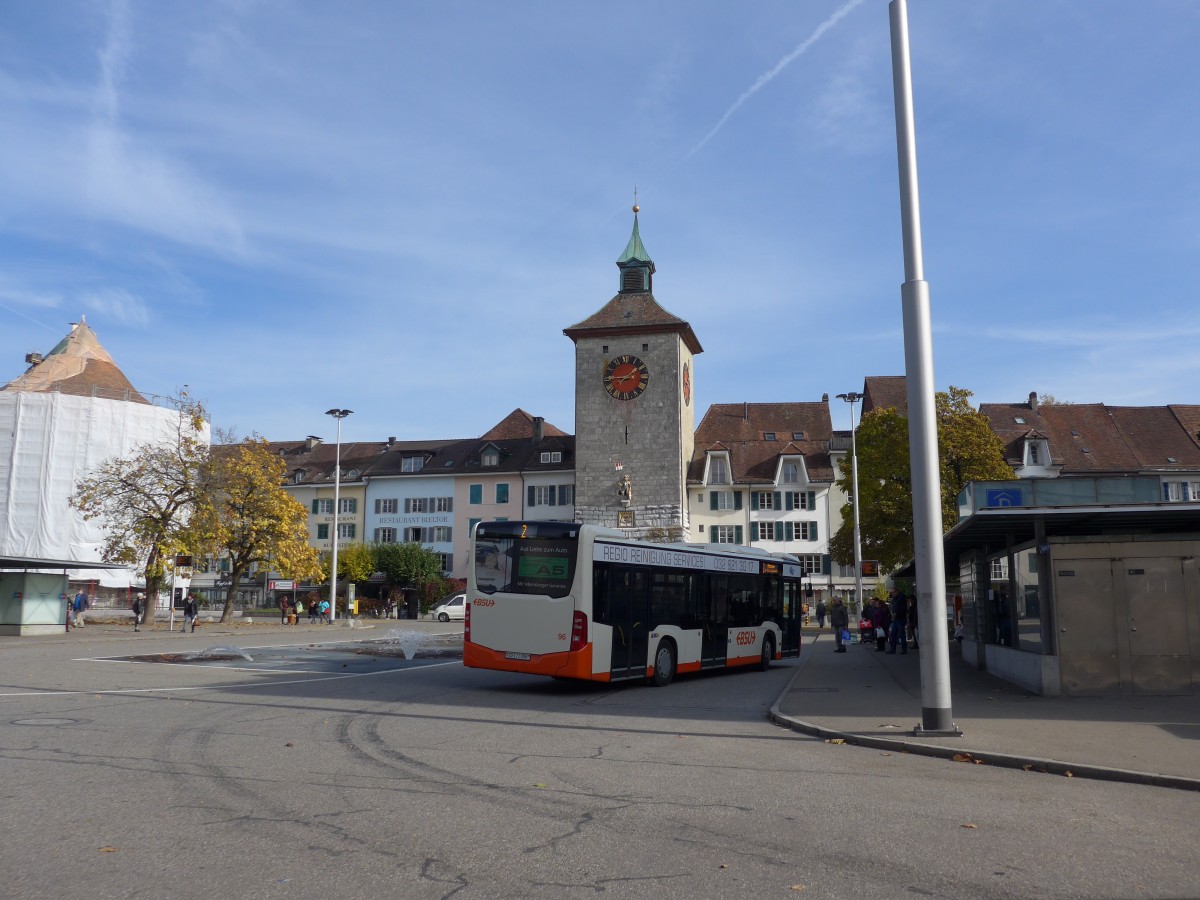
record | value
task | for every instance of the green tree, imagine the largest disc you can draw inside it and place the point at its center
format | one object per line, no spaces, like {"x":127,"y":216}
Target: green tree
{"x":247,"y":516}
{"x":146,"y":500}
{"x":968,"y":451}
{"x":407,"y":565}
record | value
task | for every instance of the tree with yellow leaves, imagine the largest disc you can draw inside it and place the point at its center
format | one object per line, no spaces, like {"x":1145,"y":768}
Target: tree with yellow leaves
{"x":249,"y":518}
{"x":146,"y":500}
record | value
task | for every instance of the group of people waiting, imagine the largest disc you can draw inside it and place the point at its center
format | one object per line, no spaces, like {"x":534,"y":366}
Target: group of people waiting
{"x":291,"y":610}
{"x":890,"y":623}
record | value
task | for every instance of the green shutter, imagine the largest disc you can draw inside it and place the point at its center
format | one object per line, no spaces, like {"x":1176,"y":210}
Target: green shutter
{"x":737,"y":534}
{"x":791,"y":496}
{"x":824,"y":563}
{"x":778,"y":500}
{"x":737,"y":503}
{"x":530,"y":495}
{"x":314,"y":507}
{"x":712,"y":497}
{"x":812,"y":531}
{"x":779,"y":531}
{"x":789,"y":531}
{"x":812,"y":499}
{"x":754,"y":499}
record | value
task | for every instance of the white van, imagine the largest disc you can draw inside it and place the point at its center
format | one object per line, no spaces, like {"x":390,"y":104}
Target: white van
{"x":451,"y":608}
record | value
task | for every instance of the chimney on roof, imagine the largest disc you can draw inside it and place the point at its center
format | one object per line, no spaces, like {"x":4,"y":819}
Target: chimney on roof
{"x":825,"y":397}
{"x":745,"y":410}
{"x":391,"y":440}
{"x":311,"y":441}
{"x":539,"y":429}
{"x":1033,"y":400}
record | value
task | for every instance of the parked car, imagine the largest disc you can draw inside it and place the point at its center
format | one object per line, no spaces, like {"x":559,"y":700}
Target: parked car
{"x":451,"y":608}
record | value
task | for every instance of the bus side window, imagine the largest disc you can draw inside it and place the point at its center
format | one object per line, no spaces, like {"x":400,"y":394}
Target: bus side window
{"x":600,"y":594}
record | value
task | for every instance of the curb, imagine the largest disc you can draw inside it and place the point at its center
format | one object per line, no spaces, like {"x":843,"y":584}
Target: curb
{"x":986,"y":757}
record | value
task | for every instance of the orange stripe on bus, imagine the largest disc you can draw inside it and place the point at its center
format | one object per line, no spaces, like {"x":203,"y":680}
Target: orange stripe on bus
{"x":566,"y":664}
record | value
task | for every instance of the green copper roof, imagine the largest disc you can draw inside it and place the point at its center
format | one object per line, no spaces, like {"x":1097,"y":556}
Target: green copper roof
{"x":634,"y":249}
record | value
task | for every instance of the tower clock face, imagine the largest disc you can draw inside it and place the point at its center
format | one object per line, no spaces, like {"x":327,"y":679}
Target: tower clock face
{"x":687,"y":384}
{"x":626,"y":377}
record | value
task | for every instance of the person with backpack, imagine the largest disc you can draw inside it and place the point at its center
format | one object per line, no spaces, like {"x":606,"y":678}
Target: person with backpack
{"x":839,"y":621}
{"x":139,"y":610}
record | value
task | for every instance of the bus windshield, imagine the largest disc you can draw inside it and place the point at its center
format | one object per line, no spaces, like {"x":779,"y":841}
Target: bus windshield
{"x":526,"y":557}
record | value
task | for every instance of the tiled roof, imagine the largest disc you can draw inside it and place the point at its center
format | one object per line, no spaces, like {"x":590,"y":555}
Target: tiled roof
{"x":740,"y":428}
{"x":519,"y":424}
{"x":1091,"y":438}
{"x":885,"y":392}
{"x":633,"y":314}
{"x":1189,"y":418}
{"x":80,"y":366}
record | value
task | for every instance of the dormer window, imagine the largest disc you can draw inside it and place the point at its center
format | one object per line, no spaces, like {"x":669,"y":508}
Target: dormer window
{"x":790,"y":473}
{"x":412,"y":464}
{"x":1033,"y":454}
{"x":797,"y":435}
{"x":718,"y":470}
{"x":551,"y":456}
{"x":297,"y":476}
{"x":768,"y":435}
{"x":1018,"y":420}
{"x":490,"y":457}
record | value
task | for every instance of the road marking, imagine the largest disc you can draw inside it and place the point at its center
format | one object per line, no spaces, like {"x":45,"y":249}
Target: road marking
{"x":218,"y":687}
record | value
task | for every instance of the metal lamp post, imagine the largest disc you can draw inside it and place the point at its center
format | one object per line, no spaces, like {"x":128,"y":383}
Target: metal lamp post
{"x":338,"y":414}
{"x":853,"y":397}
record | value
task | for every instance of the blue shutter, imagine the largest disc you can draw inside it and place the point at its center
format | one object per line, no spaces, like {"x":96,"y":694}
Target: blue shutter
{"x":812,"y":499}
{"x":449,"y":535}
{"x":550,"y":496}
{"x":789,"y":531}
{"x":754,"y":499}
{"x":791,"y":496}
{"x":531,"y":495}
{"x":737,"y":502}
{"x":779,"y":531}
{"x":812,"y":531}
{"x":824,"y":563}
{"x":778,"y":500}
{"x":712,"y":498}
{"x":737,"y":534}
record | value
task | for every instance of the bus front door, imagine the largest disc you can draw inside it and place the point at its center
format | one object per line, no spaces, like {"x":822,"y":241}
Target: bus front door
{"x":714,"y":641}
{"x":627,"y":602}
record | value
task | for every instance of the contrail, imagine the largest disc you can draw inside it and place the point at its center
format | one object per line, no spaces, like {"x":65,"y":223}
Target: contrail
{"x":779,"y":67}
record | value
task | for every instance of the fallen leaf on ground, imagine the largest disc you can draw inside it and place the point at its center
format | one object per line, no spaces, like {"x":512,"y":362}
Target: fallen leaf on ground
{"x":885,"y":754}
{"x":1069,"y":773}
{"x":798,"y":887}
{"x":539,"y":785}
{"x":970,"y":825}
{"x":722,"y":866}
{"x":963,"y":757}
{"x":836,"y":741}
{"x":108,"y":849}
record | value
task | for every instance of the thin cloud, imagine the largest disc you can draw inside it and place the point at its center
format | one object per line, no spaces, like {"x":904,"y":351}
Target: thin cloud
{"x":118,"y":304}
{"x":767,"y":77}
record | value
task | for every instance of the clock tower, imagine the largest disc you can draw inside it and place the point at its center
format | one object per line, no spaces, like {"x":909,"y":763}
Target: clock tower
{"x":634,"y":403}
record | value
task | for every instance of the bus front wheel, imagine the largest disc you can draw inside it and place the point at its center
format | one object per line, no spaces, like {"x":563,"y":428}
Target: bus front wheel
{"x":664,"y":664}
{"x":768,"y":653}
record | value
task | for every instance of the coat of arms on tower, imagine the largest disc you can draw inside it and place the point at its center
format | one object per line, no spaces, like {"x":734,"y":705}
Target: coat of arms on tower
{"x":625,"y":490}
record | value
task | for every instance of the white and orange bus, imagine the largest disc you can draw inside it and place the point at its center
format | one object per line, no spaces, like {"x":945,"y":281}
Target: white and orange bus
{"x":582,"y":601}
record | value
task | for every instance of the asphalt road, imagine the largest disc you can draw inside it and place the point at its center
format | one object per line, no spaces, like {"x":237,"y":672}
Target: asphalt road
{"x":327,"y":771}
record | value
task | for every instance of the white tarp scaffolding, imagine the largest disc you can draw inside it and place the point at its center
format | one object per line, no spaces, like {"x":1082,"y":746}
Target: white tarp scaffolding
{"x":48,"y":442}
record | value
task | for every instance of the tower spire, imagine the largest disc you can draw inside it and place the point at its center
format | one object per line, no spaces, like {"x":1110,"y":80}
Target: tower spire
{"x":635,"y":263}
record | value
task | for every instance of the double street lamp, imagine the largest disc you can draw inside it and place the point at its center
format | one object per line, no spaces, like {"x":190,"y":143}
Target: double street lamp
{"x":338,"y":414}
{"x":853,"y":397}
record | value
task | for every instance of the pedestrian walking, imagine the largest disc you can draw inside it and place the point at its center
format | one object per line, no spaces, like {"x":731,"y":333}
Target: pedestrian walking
{"x":284,"y":605}
{"x":880,"y":619}
{"x":898,"y":607}
{"x":312,"y":612}
{"x":78,"y":607}
{"x":324,"y":610}
{"x":190,"y":610}
{"x":821,"y":613}
{"x":139,"y":610}
{"x":839,"y":621}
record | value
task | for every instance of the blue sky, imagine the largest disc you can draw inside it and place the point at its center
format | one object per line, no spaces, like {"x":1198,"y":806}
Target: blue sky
{"x":397,"y":207}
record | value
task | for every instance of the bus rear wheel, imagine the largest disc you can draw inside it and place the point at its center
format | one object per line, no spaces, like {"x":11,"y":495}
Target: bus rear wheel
{"x":768,"y":653}
{"x":664,"y":664}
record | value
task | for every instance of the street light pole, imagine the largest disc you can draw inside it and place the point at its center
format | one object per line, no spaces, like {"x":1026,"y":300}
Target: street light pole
{"x":338,"y":414}
{"x":922,"y":410}
{"x":853,"y":397}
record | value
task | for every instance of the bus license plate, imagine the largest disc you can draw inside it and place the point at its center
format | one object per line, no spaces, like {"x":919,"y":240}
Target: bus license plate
{"x":524,"y":656}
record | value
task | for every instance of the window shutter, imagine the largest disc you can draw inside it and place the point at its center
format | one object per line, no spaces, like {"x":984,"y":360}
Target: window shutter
{"x":790,"y":497}
{"x":754,"y":499}
{"x":314,"y":507}
{"x":737,"y":534}
{"x":378,"y":509}
{"x":812,"y":531}
{"x":712,"y":501}
{"x":778,"y":500}
{"x":531,"y":495}
{"x":737,"y":503}
{"x":449,"y":535}
{"x":812,"y":499}
{"x":407,"y":506}
{"x":550,"y":498}
{"x":824,"y":563}
{"x":450,"y":504}
{"x":789,"y":531}
{"x":779,"y":531}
